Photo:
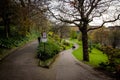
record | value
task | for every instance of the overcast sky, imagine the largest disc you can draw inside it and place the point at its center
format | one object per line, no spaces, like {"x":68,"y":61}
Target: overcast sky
{"x":97,"y":21}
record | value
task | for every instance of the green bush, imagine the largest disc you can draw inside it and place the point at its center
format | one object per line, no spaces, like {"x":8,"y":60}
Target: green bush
{"x":47,"y":50}
{"x":9,"y":43}
{"x":66,"y":43}
{"x":17,"y":40}
{"x":113,"y":54}
{"x":113,"y":58}
{"x":62,"y":47}
{"x":97,"y":46}
{"x":73,"y":34}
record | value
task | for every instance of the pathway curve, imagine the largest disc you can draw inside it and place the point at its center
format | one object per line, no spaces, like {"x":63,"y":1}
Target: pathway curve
{"x":68,"y":68}
{"x":22,"y":65}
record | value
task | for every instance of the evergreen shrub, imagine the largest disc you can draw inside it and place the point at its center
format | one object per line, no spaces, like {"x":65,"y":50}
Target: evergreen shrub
{"x":47,"y":50}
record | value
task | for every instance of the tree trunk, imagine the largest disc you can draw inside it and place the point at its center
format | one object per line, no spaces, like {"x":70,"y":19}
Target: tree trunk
{"x":6,"y":27}
{"x":85,"y":44}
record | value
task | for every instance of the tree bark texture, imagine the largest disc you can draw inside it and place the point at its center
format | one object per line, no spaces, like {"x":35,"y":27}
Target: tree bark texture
{"x":6,"y":27}
{"x":85,"y":42}
{"x":85,"y":46}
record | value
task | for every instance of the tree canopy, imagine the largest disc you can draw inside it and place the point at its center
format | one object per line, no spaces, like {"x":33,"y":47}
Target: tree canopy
{"x":24,"y":14}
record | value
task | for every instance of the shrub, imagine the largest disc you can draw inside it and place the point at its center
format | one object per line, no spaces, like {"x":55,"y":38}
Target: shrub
{"x":98,"y":46}
{"x":73,"y":34}
{"x":47,"y":50}
{"x":5,"y":43}
{"x":103,"y":65}
{"x":9,"y":43}
{"x":66,"y":43}
{"x":113,"y":58}
{"x":15,"y":41}
{"x":62,"y":47}
{"x":111,"y":53}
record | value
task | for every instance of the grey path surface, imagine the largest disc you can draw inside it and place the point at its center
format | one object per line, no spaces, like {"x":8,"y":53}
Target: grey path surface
{"x":22,"y":65}
{"x":68,"y":68}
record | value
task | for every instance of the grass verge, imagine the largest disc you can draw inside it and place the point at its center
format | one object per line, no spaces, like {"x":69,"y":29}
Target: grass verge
{"x":96,"y":56}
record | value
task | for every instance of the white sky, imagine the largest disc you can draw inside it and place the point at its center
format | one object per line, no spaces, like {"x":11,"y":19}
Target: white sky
{"x":98,"y":21}
{"x":107,"y":16}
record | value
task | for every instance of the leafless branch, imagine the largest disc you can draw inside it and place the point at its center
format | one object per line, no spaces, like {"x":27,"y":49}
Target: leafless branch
{"x":109,"y":21}
{"x":22,"y":3}
{"x":60,"y":18}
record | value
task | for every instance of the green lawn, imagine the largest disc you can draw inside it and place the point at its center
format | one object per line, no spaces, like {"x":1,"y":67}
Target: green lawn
{"x":96,"y":56}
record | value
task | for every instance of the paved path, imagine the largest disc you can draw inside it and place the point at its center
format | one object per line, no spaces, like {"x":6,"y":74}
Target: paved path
{"x":22,"y":65}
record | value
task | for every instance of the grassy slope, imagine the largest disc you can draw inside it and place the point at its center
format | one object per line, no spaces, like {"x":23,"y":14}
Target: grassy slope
{"x":96,"y":56}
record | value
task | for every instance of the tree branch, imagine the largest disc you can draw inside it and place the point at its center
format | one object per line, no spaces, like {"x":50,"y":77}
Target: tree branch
{"x":109,"y":21}
{"x":22,"y":3}
{"x":94,"y":5}
{"x":64,"y":20}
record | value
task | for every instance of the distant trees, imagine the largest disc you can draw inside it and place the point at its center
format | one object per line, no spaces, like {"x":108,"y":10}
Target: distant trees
{"x":73,"y":34}
{"x":64,"y":31}
{"x":115,"y":38}
{"x":100,"y":36}
{"x":61,"y":29}
{"x":106,"y":36}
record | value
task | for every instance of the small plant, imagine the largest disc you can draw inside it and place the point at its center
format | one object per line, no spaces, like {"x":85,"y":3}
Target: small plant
{"x":97,"y":46}
{"x":66,"y":43}
{"x":103,"y":65}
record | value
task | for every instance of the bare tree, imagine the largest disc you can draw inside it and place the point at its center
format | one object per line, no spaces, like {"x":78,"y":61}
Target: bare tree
{"x":82,"y":12}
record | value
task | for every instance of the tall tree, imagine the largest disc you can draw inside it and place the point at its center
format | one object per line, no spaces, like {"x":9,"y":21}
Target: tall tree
{"x":82,"y":12}
{"x":5,"y":14}
{"x":31,"y":13}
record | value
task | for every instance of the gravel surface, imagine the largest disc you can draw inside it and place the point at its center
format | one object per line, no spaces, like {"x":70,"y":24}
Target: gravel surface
{"x":22,"y":65}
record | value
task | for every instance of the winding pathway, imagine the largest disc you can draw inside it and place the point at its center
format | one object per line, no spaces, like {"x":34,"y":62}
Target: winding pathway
{"x":22,"y":65}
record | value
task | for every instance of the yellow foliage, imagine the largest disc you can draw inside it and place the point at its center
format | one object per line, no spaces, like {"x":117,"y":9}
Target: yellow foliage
{"x":50,"y":33}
